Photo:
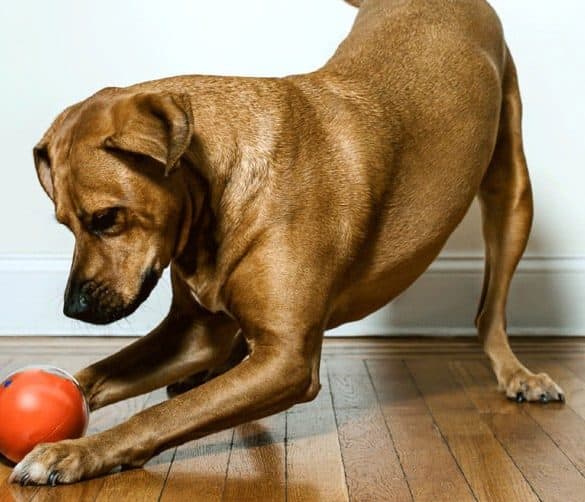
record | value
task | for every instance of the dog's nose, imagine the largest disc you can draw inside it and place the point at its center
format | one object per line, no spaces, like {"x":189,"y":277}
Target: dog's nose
{"x":77,"y":303}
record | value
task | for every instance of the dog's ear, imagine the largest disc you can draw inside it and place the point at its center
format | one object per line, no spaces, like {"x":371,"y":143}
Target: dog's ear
{"x":43,"y":166}
{"x":158,"y":125}
{"x":42,"y":159}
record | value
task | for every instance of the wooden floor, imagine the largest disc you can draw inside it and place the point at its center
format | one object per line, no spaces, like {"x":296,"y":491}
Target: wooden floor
{"x":398,"y":419}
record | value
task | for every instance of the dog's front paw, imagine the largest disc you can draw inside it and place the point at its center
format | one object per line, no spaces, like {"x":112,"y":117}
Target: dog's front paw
{"x":58,"y":463}
{"x":523,"y":385}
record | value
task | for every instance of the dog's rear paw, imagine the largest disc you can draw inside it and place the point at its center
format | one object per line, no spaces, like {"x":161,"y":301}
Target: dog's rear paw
{"x":526,"y":386}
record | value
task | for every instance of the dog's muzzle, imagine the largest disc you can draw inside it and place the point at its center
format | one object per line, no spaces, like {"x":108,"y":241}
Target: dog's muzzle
{"x":96,"y":303}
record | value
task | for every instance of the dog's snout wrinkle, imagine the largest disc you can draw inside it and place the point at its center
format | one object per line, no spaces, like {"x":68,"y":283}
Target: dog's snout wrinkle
{"x":96,"y":303}
{"x":91,"y":302}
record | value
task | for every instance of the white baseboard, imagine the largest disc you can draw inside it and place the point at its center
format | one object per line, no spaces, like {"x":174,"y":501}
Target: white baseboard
{"x":547,"y":298}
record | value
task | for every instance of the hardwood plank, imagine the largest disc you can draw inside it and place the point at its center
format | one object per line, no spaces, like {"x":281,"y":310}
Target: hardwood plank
{"x":431,"y":470}
{"x":372,"y":468}
{"x":480,"y":384}
{"x":350,"y":384}
{"x":314,"y":465}
{"x":576,"y":365}
{"x":257,"y":467}
{"x":564,"y":426}
{"x":146,"y":483}
{"x":544,"y":465}
{"x":199,"y":468}
{"x":572,"y":385}
{"x":481,"y":457}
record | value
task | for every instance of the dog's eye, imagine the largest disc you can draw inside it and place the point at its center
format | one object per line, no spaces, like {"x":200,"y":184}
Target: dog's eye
{"x":104,"y":220}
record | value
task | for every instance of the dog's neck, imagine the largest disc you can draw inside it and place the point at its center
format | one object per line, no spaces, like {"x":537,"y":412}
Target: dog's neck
{"x":235,"y":141}
{"x":228,"y":171}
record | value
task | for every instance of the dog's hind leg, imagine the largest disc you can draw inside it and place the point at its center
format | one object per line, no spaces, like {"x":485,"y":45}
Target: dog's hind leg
{"x":506,"y":200}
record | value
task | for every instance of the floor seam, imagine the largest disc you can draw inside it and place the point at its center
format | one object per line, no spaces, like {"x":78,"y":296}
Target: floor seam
{"x":498,"y":440}
{"x":227,"y":469}
{"x":337,"y":431}
{"x":445,"y":441}
{"x":286,"y":456}
{"x":164,"y":485}
{"x":388,"y":430}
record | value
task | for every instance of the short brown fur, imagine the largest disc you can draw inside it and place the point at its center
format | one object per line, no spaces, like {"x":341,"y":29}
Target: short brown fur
{"x":284,"y":207}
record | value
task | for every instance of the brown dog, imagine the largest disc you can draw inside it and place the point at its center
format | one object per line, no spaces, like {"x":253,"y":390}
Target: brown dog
{"x":284,"y":207}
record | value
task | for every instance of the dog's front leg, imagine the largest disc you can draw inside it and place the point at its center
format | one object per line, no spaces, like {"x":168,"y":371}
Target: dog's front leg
{"x":190,"y":339}
{"x":280,"y":371}
{"x":181,"y":345}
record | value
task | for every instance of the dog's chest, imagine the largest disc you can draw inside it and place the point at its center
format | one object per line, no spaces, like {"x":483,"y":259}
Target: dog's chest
{"x":201,"y":285}
{"x":204,"y":301}
{"x":207,"y":295}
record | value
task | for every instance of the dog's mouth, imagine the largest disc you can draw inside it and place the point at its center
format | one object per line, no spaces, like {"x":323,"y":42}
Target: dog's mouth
{"x":149,"y":281}
{"x":104,"y":306}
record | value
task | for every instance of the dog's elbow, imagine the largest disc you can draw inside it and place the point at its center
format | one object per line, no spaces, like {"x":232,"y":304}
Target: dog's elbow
{"x":311,"y":391}
{"x":302,"y":382}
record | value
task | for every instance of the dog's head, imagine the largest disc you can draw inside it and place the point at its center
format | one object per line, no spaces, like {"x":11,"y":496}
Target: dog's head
{"x":109,"y":165}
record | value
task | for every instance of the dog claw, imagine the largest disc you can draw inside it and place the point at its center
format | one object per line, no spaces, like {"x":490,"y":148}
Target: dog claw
{"x":520,"y":397}
{"x":53,"y":478}
{"x":543,"y":398}
{"x":24,"y":480}
{"x":562,"y":398}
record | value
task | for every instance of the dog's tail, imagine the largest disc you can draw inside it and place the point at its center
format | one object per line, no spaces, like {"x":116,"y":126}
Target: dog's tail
{"x":355,"y":3}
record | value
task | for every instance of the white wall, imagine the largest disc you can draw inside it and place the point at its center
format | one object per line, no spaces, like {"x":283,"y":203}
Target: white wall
{"x":55,"y":53}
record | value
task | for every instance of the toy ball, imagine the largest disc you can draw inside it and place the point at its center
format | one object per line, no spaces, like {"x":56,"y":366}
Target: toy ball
{"x":41,"y":404}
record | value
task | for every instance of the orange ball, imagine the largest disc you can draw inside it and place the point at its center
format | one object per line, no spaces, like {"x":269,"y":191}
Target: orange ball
{"x":39,"y":405}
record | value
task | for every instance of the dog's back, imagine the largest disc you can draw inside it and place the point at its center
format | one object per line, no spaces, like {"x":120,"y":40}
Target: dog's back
{"x":401,"y":34}
{"x":417,"y":55}
{"x":431,"y":66}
